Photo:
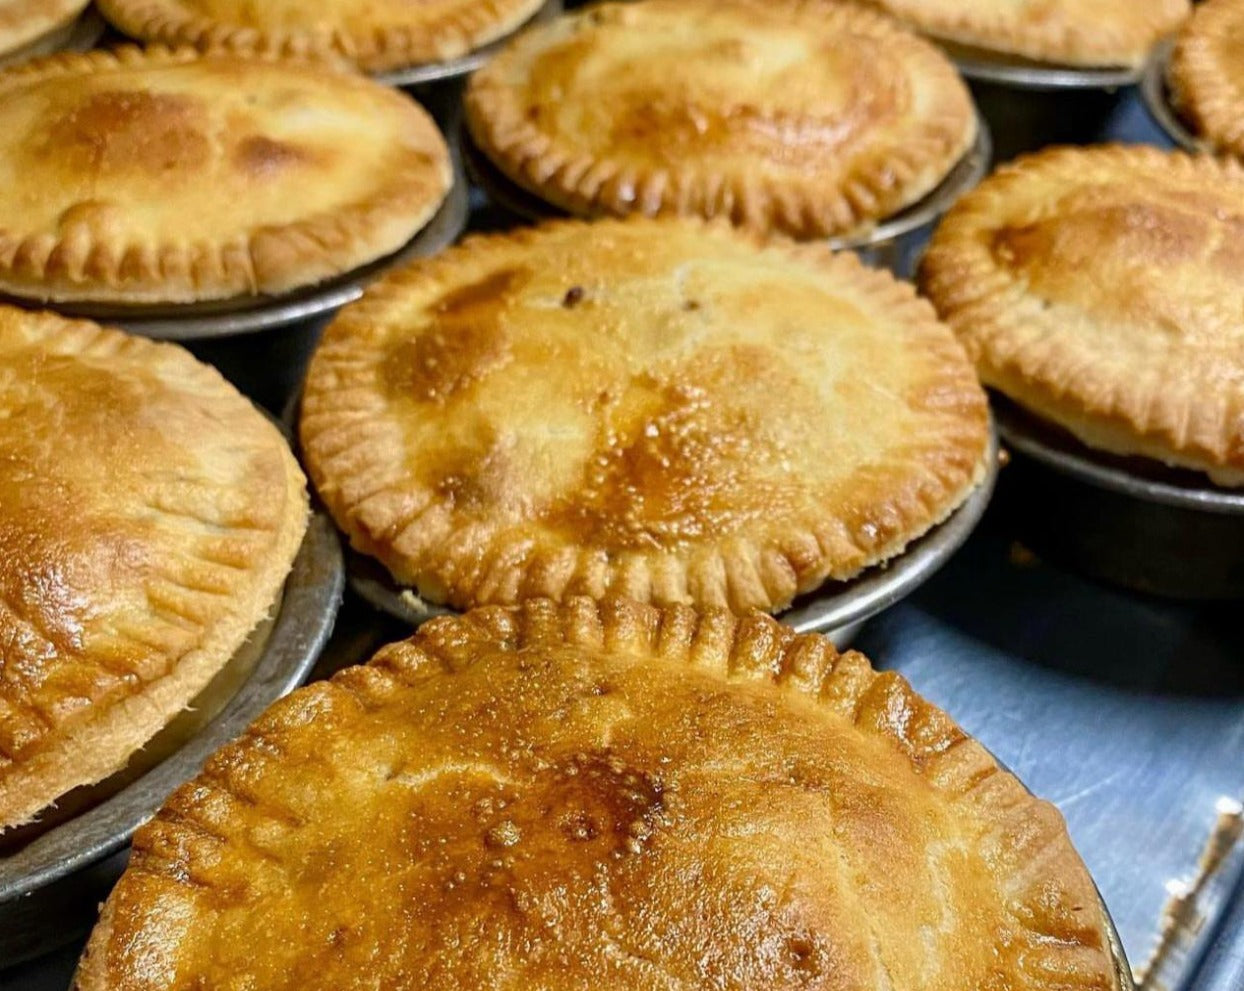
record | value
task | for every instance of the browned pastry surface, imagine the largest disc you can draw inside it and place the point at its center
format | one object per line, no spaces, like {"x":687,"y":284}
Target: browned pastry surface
{"x":1088,"y":33}
{"x":603,"y":796}
{"x":659,"y":408}
{"x":805,"y":117}
{"x":23,"y":22}
{"x":148,"y":517}
{"x":1206,"y":74}
{"x":377,"y":35}
{"x":168,"y":177}
{"x":1102,"y":288}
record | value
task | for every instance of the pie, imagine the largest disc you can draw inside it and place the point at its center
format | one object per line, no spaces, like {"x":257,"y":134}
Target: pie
{"x":804,"y":117}
{"x":167,"y":177}
{"x":376,"y":35}
{"x":1084,"y":33}
{"x":148,"y":515}
{"x":1102,"y":288}
{"x":1205,"y":77}
{"x":606,"y":796}
{"x":663,"y":409}
{"x":23,"y":22}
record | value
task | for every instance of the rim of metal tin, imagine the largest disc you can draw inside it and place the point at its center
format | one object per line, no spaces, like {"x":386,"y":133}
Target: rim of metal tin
{"x":1157,"y":99}
{"x":831,"y":608}
{"x":435,"y":72}
{"x":1170,"y":487}
{"x":302,"y":626}
{"x":965,"y":175}
{"x":229,"y":318}
{"x":1011,"y":70}
{"x":78,"y":35}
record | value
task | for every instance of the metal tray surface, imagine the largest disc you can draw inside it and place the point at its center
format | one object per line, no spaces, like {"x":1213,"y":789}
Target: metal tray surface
{"x":40,"y":876}
{"x":435,"y":72}
{"x":1157,"y":99}
{"x":228,"y":318}
{"x":1020,"y":73}
{"x":78,"y":36}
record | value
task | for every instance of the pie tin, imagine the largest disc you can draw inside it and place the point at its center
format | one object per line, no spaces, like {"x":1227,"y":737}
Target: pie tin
{"x":79,"y":35}
{"x":892,"y":243}
{"x":1157,"y":96}
{"x":1127,"y":521}
{"x":982,"y":65}
{"x":229,"y":318}
{"x":51,"y":884}
{"x":435,"y":72}
{"x":836,"y":609}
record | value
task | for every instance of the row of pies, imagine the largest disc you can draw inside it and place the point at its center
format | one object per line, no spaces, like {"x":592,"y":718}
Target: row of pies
{"x":619,"y":417}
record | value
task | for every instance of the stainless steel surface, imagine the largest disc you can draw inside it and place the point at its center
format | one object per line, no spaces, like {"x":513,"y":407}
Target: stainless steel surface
{"x":46,"y":872}
{"x":1020,"y":73}
{"x":230,"y":318}
{"x":435,"y":72}
{"x":79,"y":36}
{"x":1156,"y":95}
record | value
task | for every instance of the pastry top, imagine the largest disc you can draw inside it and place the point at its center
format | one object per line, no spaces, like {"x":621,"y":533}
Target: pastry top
{"x":376,"y":35}
{"x":1102,"y":289}
{"x":603,"y":796}
{"x":1084,"y":33}
{"x":1206,"y":74}
{"x":23,"y":22}
{"x":148,"y":515}
{"x":804,"y":117}
{"x":658,"y":408}
{"x":159,"y":176}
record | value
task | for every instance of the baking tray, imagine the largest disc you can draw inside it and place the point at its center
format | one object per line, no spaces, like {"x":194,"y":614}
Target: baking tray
{"x":890,"y":244}
{"x":1130,"y":521}
{"x":435,"y":72}
{"x":77,"y":36}
{"x":230,"y":318}
{"x":1157,"y":97}
{"x":53,"y":875}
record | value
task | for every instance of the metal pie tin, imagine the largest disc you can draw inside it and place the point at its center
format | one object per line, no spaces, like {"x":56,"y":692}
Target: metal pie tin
{"x":53,"y":874}
{"x":77,"y":36}
{"x":1157,"y":96}
{"x":231,"y":318}
{"x":1000,"y":68}
{"x":892,"y":243}
{"x":1128,"y":521}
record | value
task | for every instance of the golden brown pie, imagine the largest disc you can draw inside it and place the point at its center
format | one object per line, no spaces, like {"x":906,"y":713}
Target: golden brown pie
{"x":148,"y":516}
{"x":1086,"y":33}
{"x":376,"y":35}
{"x":169,"y":177}
{"x":604,"y":796}
{"x":1206,"y":74}
{"x":23,"y":22}
{"x":663,"y":409}
{"x":803,"y":117}
{"x":1102,"y":289}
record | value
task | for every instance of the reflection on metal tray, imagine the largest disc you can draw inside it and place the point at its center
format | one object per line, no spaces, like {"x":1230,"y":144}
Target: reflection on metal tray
{"x":969,"y":171}
{"x":837,"y":609}
{"x":197,"y":321}
{"x":435,"y":72}
{"x":1157,"y":98}
{"x":1020,"y":73}
{"x":53,"y":875}
{"x":78,"y":36}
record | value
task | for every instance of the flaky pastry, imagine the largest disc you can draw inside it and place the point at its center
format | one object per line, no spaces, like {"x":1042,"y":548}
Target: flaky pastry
{"x":24,"y":22}
{"x":1084,"y":33}
{"x":157,"y":177}
{"x":606,"y":796}
{"x":1101,"y":288}
{"x":1206,"y":74}
{"x":670,"y":410}
{"x":148,"y":516}
{"x":376,"y":35}
{"x":804,"y":117}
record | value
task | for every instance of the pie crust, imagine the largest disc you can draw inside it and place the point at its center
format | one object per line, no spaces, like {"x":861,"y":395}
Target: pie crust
{"x":610,"y":796}
{"x":23,"y":22}
{"x":807,"y":118}
{"x":376,"y":35}
{"x":148,"y":515}
{"x":1101,"y":288}
{"x":663,"y":409}
{"x":1205,"y":75}
{"x":1085,"y":33}
{"x":158,"y":177}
